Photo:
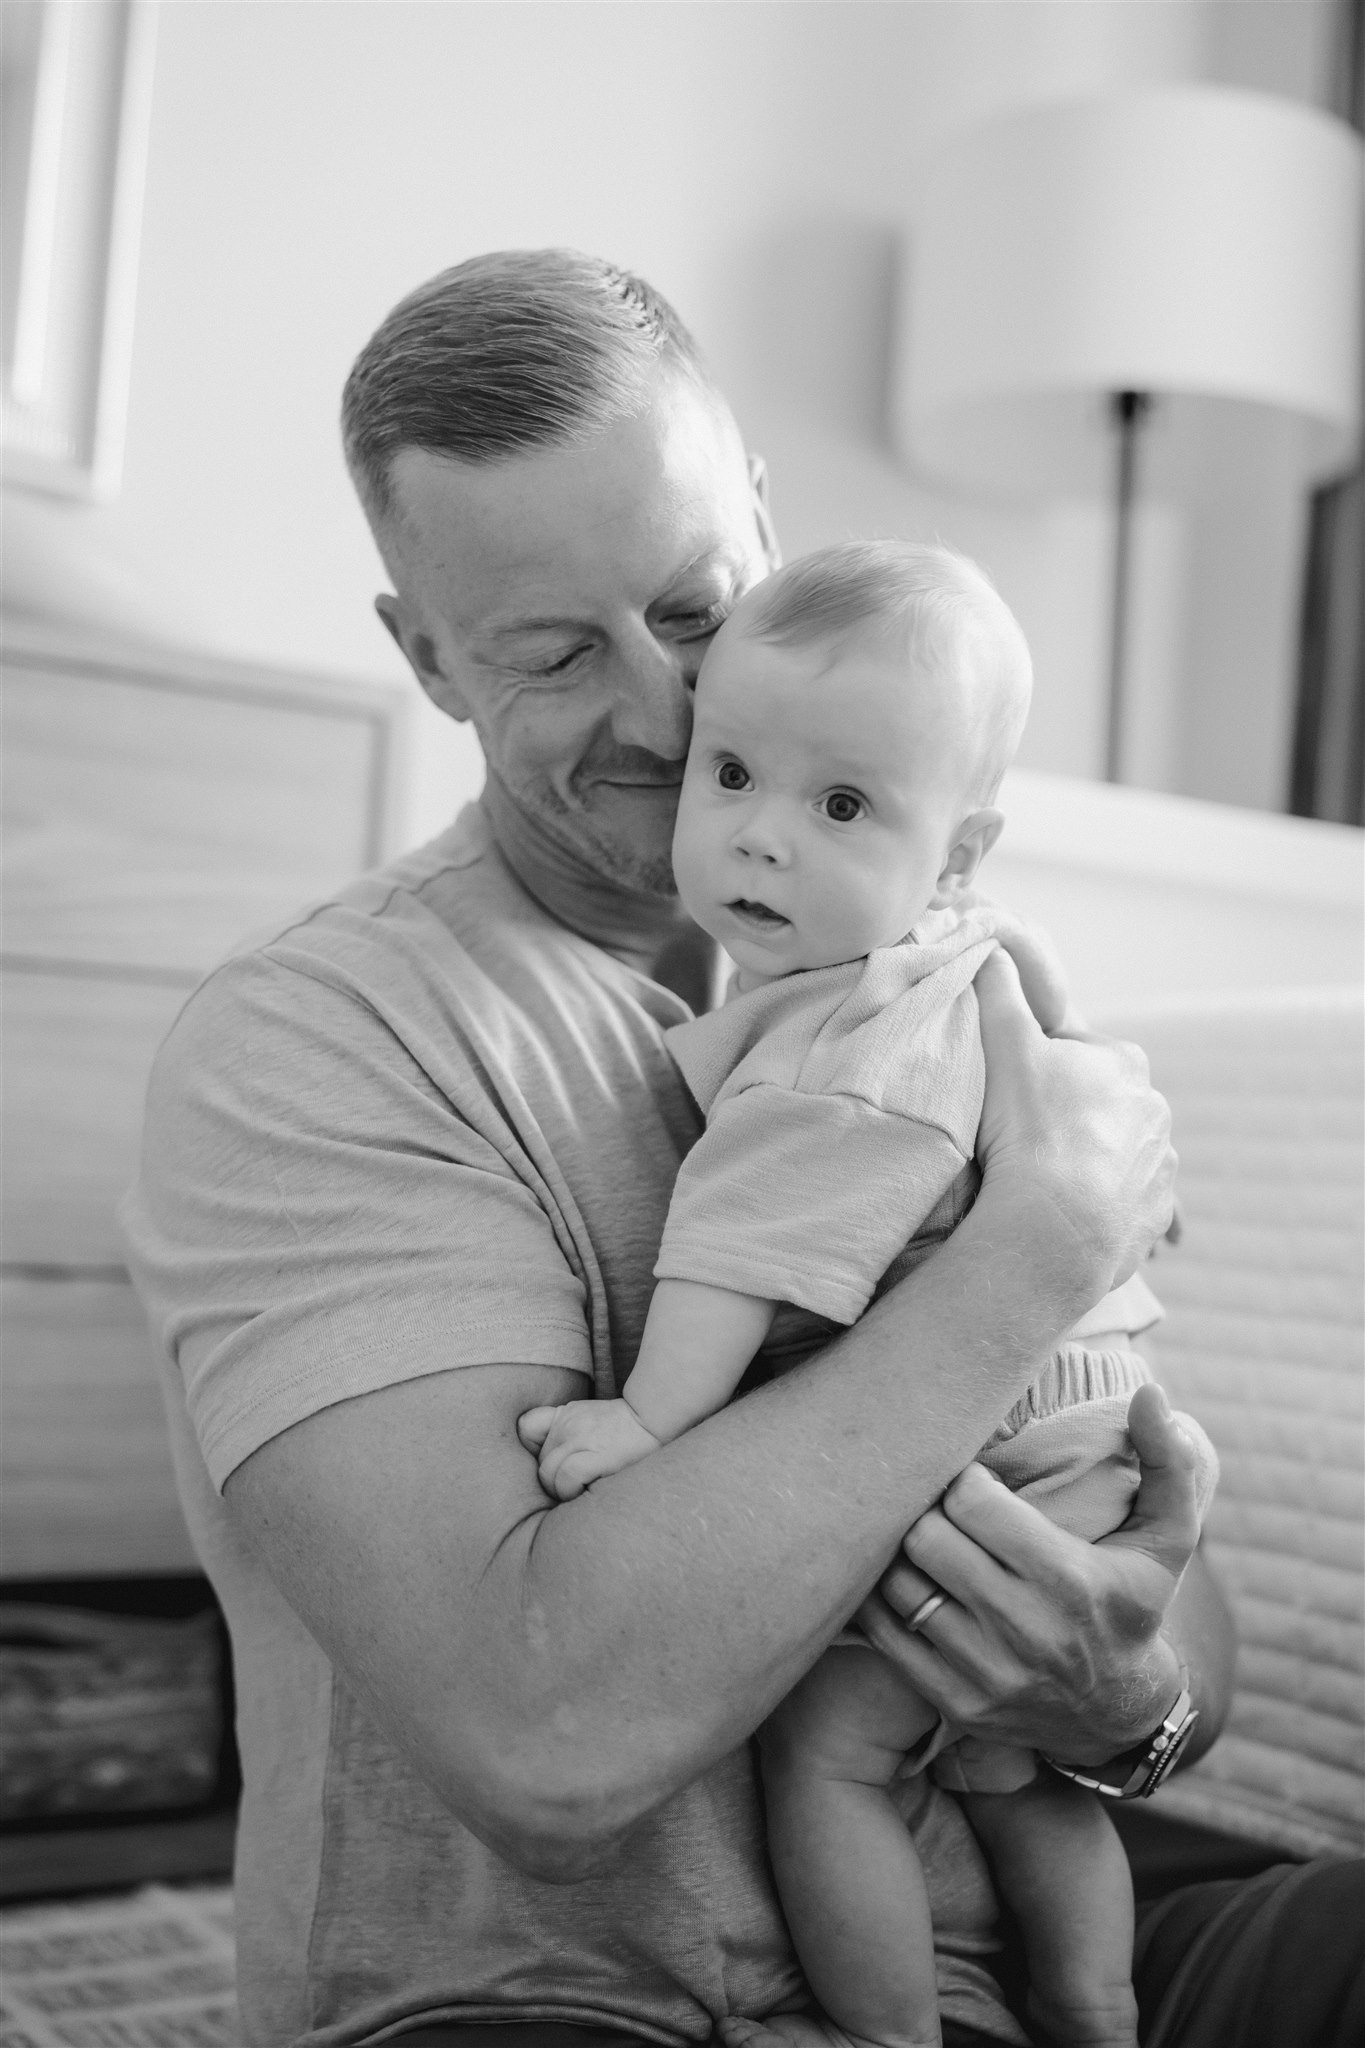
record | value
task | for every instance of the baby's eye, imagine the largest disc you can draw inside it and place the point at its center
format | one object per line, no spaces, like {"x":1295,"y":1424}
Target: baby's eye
{"x":732,"y":775}
{"x":843,"y":807}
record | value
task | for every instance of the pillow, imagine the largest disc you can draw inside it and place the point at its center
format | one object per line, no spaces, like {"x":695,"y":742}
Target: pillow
{"x":1263,"y":1343}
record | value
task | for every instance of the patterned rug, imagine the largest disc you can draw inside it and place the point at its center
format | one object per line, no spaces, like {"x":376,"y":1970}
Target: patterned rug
{"x":145,"y":1969}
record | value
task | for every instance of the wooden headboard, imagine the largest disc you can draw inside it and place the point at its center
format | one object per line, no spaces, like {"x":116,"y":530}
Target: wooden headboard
{"x":157,"y":806}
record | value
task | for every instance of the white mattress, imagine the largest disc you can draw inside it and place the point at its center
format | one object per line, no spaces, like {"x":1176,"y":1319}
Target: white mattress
{"x":1263,"y":1342}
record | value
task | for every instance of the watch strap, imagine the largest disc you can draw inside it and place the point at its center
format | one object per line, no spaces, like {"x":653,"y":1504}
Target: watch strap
{"x":1135,"y":1773}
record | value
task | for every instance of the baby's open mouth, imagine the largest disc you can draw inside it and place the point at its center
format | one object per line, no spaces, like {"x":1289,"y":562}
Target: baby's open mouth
{"x":757,"y":913}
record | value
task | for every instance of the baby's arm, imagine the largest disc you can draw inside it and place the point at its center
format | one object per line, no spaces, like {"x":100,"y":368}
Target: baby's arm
{"x":697,"y":1342}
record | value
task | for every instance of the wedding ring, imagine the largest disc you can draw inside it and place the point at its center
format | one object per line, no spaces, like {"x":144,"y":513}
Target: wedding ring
{"x":922,"y":1613}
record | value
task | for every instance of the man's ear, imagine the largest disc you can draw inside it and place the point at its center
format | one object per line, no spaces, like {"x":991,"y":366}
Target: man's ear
{"x":419,"y":649}
{"x":767,"y":532}
{"x":973,"y":840}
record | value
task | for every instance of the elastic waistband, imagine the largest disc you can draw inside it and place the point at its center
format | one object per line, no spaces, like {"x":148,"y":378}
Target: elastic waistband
{"x":514,"y":2034}
{"x":1072,"y":1377}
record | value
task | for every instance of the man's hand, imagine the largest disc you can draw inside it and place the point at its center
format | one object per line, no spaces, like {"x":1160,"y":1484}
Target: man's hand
{"x":1074,"y":1141}
{"x":583,"y":1441}
{"x":1041,"y":975}
{"x":1043,"y":981}
{"x":1045,"y":1641}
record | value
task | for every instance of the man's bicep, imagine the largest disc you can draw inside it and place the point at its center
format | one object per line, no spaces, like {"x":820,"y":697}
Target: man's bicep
{"x":394,"y":1524}
{"x":315,"y":1219}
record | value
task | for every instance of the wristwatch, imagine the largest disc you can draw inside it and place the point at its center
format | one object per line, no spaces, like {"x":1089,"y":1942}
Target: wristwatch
{"x":1136,"y":1772}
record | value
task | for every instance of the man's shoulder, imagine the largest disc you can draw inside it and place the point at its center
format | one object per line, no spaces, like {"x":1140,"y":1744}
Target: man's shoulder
{"x":391,"y":942}
{"x":434,"y":895}
{"x":451,"y":880}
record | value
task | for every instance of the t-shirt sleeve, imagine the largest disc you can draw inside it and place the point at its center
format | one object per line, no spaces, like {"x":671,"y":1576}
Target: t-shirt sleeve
{"x":803,"y":1198}
{"x":315,"y":1219}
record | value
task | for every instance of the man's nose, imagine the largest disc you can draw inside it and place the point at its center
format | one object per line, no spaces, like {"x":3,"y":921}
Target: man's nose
{"x":652,"y":704}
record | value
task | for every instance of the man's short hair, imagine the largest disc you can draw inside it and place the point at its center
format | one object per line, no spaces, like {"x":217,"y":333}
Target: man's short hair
{"x":511,"y":351}
{"x":935,"y":605}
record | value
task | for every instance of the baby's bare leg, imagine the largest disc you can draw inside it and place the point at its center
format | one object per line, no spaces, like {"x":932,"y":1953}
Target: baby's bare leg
{"x":1061,"y":1868}
{"x":846,"y":1868}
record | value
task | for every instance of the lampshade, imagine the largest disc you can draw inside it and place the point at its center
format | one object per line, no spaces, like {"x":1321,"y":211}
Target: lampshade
{"x":1195,"y":242}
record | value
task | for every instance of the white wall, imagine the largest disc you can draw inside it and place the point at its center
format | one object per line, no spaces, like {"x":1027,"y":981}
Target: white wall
{"x":310,"y":162}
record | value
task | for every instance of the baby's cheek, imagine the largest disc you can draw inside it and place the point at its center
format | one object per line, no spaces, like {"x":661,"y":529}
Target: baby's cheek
{"x":691,"y":849}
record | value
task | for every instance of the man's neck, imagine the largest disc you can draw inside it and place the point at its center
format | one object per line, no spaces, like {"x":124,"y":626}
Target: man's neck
{"x":633,"y":924}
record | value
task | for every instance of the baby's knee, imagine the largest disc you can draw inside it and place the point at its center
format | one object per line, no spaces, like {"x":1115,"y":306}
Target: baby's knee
{"x":843,"y":1720}
{"x":803,"y":1748}
{"x":971,"y":1765}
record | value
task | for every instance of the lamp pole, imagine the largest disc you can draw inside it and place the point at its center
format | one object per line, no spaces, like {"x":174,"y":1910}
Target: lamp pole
{"x":1128,"y":409}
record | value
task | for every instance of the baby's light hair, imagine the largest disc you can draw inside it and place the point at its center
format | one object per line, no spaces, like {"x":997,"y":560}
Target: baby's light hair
{"x":939,"y":607}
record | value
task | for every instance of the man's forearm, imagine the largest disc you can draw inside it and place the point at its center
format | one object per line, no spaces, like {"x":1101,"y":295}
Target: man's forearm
{"x":555,"y":1673}
{"x":664,"y":1614}
{"x":1201,"y":1630}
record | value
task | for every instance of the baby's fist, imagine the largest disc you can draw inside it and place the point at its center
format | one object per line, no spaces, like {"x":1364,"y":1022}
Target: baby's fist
{"x":534,"y":1426}
{"x":583,"y":1441}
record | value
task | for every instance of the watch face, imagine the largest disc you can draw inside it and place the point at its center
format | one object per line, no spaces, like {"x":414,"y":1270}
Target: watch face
{"x":1166,"y":1752}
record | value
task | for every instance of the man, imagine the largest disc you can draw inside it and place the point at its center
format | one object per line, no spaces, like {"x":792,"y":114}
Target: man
{"x":405,"y":1170}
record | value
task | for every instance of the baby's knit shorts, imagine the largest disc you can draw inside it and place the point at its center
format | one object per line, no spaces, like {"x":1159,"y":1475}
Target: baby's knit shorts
{"x":1065,"y":1448}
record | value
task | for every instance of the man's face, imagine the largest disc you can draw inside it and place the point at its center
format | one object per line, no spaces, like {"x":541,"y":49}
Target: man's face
{"x":562,"y":601}
{"x":823,"y":794}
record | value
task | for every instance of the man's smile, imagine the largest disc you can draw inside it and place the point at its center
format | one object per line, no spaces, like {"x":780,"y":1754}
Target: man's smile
{"x":670,"y":782}
{"x":652,"y":775}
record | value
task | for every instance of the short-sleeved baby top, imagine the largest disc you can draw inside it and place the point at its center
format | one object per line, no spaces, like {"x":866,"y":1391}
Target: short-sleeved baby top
{"x":842,"y":1107}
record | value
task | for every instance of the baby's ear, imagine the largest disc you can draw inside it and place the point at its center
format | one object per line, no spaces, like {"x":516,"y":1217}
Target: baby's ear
{"x":972,"y":841}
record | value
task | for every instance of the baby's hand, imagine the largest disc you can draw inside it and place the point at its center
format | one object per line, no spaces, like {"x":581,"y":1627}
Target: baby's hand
{"x":583,"y":1441}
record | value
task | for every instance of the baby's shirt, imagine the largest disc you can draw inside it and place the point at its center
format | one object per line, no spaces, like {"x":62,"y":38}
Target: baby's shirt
{"x":842,"y":1107}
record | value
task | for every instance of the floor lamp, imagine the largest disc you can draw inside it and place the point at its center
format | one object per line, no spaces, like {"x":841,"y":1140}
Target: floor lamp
{"x":1076,"y":268}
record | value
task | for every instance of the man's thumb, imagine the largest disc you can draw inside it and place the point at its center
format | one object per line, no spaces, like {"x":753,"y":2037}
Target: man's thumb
{"x":1000,"y":999}
{"x":1164,"y":1510}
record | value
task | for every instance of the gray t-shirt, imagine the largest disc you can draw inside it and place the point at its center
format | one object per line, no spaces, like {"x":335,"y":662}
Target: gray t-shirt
{"x":426,"y":1126}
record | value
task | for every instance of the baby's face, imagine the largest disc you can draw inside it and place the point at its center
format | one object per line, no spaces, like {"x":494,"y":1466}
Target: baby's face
{"x":821,"y":796}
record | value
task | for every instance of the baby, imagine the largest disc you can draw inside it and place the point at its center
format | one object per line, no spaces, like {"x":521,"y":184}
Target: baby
{"x":854,"y":717}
